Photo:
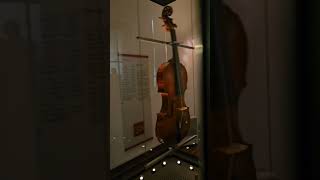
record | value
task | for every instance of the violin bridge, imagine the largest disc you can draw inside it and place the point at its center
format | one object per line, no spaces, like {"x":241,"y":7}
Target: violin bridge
{"x":183,"y":111}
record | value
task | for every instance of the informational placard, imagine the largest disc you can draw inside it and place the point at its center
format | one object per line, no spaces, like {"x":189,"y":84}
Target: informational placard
{"x":135,"y":99}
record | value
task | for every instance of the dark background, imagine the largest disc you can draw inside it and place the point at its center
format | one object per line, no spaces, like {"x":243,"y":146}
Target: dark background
{"x":308,"y":78}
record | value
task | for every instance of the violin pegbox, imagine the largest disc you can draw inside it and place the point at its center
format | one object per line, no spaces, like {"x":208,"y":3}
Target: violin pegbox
{"x":168,"y":23}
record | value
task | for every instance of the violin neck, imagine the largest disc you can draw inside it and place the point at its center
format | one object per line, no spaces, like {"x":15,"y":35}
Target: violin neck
{"x":175,"y":52}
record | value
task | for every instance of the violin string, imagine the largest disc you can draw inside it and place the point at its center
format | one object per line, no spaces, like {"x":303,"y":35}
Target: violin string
{"x":178,"y":78}
{"x":180,"y":91}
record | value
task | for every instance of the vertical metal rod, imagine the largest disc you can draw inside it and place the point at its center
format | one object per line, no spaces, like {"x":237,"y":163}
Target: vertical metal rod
{"x":193,"y":74}
{"x":154,"y":57}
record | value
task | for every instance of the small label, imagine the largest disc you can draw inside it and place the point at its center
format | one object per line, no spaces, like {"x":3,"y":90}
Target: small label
{"x":138,"y":128}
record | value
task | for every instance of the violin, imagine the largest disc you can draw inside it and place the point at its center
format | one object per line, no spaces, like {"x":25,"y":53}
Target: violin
{"x":173,"y":120}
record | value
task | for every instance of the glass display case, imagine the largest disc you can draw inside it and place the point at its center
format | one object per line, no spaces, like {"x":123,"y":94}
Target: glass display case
{"x":155,"y":104}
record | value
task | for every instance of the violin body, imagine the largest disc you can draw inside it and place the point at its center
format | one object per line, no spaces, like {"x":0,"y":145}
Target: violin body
{"x":173,"y":121}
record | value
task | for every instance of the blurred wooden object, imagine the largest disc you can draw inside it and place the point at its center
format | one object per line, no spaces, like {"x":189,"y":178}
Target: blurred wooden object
{"x":229,"y":156}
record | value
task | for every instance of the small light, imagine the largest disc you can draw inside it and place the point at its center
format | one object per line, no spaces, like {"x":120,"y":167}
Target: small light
{"x":187,"y":147}
{"x":141,"y":178}
{"x":170,"y":148}
{"x":153,"y":170}
{"x":191,"y":168}
{"x":179,"y":162}
{"x":164,"y":163}
{"x":143,"y":146}
{"x":151,"y":149}
{"x":194,"y":143}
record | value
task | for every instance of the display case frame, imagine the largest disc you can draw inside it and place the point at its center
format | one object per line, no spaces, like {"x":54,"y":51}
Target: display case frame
{"x":135,"y":166}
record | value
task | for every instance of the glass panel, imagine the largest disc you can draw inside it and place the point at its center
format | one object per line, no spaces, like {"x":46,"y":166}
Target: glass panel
{"x":154,"y":109}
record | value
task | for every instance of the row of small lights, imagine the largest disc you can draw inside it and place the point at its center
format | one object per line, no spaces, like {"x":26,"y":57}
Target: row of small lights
{"x":128,"y":139}
{"x":164,"y":163}
{"x":170,"y":148}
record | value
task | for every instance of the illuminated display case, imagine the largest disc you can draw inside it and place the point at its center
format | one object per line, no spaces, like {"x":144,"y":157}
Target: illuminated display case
{"x":141,"y":45}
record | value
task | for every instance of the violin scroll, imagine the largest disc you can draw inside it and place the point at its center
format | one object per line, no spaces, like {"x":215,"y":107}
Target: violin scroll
{"x":168,"y":22}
